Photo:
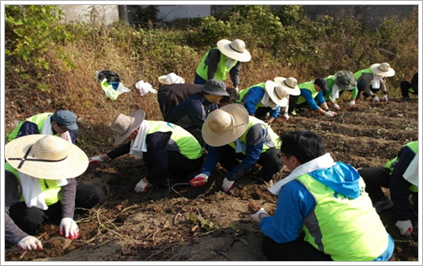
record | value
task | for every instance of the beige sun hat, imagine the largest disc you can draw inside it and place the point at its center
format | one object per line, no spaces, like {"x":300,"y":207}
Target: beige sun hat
{"x":171,"y":78}
{"x":235,"y":50}
{"x":124,"y":125}
{"x":225,"y":125}
{"x":290,"y":84}
{"x":277,"y":93}
{"x":382,"y":69}
{"x":46,"y":156}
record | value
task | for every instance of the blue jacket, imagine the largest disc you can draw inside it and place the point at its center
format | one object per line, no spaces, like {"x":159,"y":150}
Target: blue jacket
{"x":253,"y":97}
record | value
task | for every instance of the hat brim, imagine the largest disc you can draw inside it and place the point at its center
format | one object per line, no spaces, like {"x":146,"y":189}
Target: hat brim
{"x":240,"y":124}
{"x":73,"y":166}
{"x":217,"y":93}
{"x":162,"y":79}
{"x":291,"y":91}
{"x":270,"y":89}
{"x":375,"y":69}
{"x":138,"y":116}
{"x":72,"y":127}
{"x":224,"y":48}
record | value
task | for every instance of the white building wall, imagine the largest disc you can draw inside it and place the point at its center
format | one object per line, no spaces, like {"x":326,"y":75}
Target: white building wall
{"x":100,"y":14}
{"x":171,"y":12}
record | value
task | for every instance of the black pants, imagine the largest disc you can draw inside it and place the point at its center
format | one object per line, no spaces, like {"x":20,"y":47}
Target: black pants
{"x":360,"y":87}
{"x":270,"y":161}
{"x":297,"y":250}
{"x":375,"y":178}
{"x":406,"y":88}
{"x":31,"y":219}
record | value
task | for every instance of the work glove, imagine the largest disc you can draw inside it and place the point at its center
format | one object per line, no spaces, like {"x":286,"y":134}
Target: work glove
{"x":256,"y":216}
{"x":330,"y":114}
{"x":30,"y":243}
{"x":142,"y":186}
{"x":68,"y":228}
{"x":385,"y":98}
{"x":95,"y":160}
{"x":376,"y":99}
{"x":199,"y":180}
{"x":285,"y":116}
{"x":351,"y":104}
{"x":336,"y":107}
{"x":227,"y":184}
{"x":405,"y":227}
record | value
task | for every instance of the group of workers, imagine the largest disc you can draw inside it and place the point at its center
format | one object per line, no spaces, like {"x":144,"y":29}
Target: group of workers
{"x":206,"y":123}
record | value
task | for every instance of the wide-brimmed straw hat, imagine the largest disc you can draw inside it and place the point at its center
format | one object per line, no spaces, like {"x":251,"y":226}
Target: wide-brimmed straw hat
{"x":277,"y":93}
{"x":235,"y":50}
{"x":382,"y":69}
{"x":290,"y":84}
{"x":225,"y":125}
{"x":124,"y":125}
{"x":46,"y":157}
{"x":171,"y":78}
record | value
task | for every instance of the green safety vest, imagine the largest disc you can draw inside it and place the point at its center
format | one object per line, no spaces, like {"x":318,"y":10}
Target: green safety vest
{"x":414,"y":146}
{"x":309,"y":86}
{"x":359,"y":73}
{"x":357,"y":234}
{"x":221,"y":71}
{"x":272,"y":142}
{"x":243,"y":93}
{"x":49,"y":188}
{"x":36,"y":119}
{"x":182,"y":140}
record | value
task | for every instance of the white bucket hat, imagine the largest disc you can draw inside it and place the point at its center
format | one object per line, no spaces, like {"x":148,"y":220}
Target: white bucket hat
{"x":276,"y":93}
{"x":382,"y":69}
{"x":235,"y":50}
{"x":290,"y":84}
{"x":171,"y":78}
{"x":46,"y":157}
{"x":124,"y":125}
{"x":225,"y":125}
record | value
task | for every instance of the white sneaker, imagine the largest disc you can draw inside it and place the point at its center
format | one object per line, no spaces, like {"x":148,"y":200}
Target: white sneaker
{"x":227,"y":185}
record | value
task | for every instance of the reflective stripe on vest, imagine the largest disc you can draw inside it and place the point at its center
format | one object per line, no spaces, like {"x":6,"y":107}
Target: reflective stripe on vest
{"x":36,"y":119}
{"x":346,"y":229}
{"x":271,"y":140}
{"x":221,"y":70}
{"x":181,"y":140}
{"x":308,"y":86}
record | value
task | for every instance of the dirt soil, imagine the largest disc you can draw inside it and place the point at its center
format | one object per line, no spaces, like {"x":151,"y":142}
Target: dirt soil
{"x":183,"y":223}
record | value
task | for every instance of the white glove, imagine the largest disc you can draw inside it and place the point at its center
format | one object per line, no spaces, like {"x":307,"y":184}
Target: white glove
{"x":405,"y":227}
{"x":385,"y":98}
{"x":68,"y":228}
{"x":95,"y":160}
{"x":142,"y":186}
{"x":227,"y":185}
{"x":376,"y":99}
{"x":30,"y":243}
{"x":285,"y":116}
{"x":329,"y":114}
{"x":351,"y":104}
{"x":336,"y":107}
{"x":199,"y":180}
{"x":256,"y":216}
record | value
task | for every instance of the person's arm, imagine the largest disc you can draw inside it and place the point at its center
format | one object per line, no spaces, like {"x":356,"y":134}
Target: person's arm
{"x":28,"y":128}
{"x":234,"y":73}
{"x":156,"y":147}
{"x":119,"y":151}
{"x":309,"y":99}
{"x":254,"y":147}
{"x":294,"y":204}
{"x":67,"y":198}
{"x":366,"y":78}
{"x":197,"y":112}
{"x":213,"y":157}
{"x":253,"y":97}
{"x":213,"y":60}
{"x":274,"y":113}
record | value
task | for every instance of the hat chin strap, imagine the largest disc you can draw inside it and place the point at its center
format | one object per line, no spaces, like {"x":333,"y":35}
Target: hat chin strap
{"x":24,"y":159}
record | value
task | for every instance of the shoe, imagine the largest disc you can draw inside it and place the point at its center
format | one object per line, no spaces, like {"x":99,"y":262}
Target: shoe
{"x":227,"y":184}
{"x":383,"y":204}
{"x":406,"y":98}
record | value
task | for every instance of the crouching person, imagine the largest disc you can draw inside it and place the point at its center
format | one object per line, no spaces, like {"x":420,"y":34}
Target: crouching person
{"x":323,"y":211}
{"x":40,"y":184}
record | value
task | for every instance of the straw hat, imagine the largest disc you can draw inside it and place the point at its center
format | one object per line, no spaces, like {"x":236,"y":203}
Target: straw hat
{"x":290,"y":84}
{"x":46,"y":156}
{"x":235,"y":50}
{"x":276,"y":93}
{"x":225,"y":125}
{"x":382,"y":69}
{"x":124,"y":125}
{"x":171,"y":78}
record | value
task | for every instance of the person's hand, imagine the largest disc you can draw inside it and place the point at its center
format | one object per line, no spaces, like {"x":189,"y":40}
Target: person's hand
{"x":376,"y":99}
{"x":256,"y":216}
{"x":351,"y":104}
{"x":68,"y":228}
{"x":285,"y":116}
{"x":142,"y":186}
{"x":336,"y":107}
{"x":199,"y":180}
{"x":385,"y":98}
{"x":30,"y":243}
{"x":95,"y":160}
{"x":330,"y":114}
{"x":405,"y":227}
